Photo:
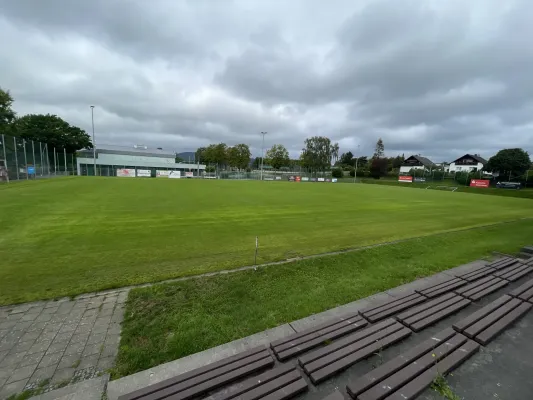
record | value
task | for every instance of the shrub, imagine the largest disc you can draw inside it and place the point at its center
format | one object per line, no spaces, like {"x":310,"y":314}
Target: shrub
{"x":337,"y":173}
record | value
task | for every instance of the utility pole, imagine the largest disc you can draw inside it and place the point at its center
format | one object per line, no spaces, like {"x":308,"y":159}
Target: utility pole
{"x":262,"y":156}
{"x":94,"y":143}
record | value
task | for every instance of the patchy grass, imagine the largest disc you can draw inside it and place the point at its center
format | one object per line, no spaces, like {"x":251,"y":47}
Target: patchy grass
{"x":168,"y":321}
{"x":62,"y":237}
{"x":441,"y":386}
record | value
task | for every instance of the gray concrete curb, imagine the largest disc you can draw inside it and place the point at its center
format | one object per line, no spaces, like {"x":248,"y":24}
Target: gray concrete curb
{"x":91,"y":389}
{"x":173,"y":368}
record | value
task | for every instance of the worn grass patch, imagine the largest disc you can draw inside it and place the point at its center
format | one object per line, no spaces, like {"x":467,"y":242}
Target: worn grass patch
{"x":169,"y":321}
{"x":62,"y":237}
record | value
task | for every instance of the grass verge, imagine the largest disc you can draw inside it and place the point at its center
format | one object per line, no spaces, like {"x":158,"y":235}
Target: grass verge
{"x":168,"y":321}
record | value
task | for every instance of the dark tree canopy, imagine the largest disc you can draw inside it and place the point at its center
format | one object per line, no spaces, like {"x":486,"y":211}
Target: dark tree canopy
{"x":513,"y":161}
{"x":7,"y":115}
{"x":52,"y":130}
{"x":379,"y":152}
{"x":378,"y":168}
{"x":346,"y":158}
{"x":277,"y":156}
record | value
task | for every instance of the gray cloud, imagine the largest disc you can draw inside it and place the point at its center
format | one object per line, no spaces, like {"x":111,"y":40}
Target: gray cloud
{"x":430,"y":77}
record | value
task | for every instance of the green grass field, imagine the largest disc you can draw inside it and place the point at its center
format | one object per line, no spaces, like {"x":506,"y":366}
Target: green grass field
{"x":169,"y":321}
{"x":67,"y":236}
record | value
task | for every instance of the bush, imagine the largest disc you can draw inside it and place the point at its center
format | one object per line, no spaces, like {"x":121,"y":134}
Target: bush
{"x":438,"y":175}
{"x":210,"y":168}
{"x":337,"y":173}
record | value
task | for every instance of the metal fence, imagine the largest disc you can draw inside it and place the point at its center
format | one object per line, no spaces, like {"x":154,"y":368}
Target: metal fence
{"x":22,"y":159}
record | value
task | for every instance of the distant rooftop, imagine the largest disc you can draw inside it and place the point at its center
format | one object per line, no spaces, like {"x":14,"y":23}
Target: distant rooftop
{"x":139,"y":150}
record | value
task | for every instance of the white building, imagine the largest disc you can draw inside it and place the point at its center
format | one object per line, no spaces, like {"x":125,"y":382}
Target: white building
{"x":111,"y":158}
{"x":468,"y":163}
{"x":416,"y":162}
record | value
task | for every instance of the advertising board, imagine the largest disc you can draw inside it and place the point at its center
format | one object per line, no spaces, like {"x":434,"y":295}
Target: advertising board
{"x":162,"y":173}
{"x":175,"y":174}
{"x":408,"y":179}
{"x":144,"y":173}
{"x":481,"y":183}
{"x":189,"y":174}
{"x":126,"y":172}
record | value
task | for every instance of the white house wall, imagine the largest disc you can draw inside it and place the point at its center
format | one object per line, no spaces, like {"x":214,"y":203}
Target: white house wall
{"x":465,"y":168}
{"x":409,"y":168}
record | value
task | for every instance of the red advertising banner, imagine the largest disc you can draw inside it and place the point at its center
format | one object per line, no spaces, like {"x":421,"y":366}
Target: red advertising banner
{"x":405,"y":179}
{"x":298,"y":179}
{"x":483,"y":183}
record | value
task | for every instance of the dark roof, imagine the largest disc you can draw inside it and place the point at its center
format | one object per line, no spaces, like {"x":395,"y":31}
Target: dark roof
{"x":423,"y":160}
{"x":131,"y":151}
{"x":476,"y":157}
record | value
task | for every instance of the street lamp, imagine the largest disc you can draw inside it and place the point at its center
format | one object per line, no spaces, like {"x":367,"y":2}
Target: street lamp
{"x":94,"y":143}
{"x":262,"y":156}
{"x":356,"y":160}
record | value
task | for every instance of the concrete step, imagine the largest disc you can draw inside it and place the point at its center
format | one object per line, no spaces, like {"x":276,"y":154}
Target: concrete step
{"x":528,"y":249}
{"x":524,"y":256}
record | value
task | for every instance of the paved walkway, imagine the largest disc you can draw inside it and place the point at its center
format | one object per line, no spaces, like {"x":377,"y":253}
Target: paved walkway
{"x":54,"y":343}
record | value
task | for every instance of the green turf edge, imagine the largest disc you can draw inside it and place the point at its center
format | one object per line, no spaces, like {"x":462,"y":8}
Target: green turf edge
{"x":168,"y":321}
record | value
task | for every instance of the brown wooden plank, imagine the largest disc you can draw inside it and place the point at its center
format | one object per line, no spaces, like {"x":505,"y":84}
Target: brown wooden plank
{"x":394,"y":310}
{"x":411,"y":371}
{"x":412,"y":389}
{"x":391,"y":303}
{"x":493,"y":330}
{"x":485,"y":322}
{"x":433,"y":318}
{"x":177,"y":392}
{"x":331,"y":322}
{"x":443,"y":287}
{"x":437,"y":306}
{"x":425,"y":306}
{"x":311,"y":344}
{"x":383,"y":371}
{"x":336,"y":395}
{"x":474,"y":317}
{"x":334,"y":356}
{"x":199,"y":371}
{"x":474,"y":285}
{"x":516,"y":273}
{"x":503,"y":263}
{"x":527,"y":295}
{"x":271,"y":386}
{"x":254,"y":382}
{"x":332,"y":369}
{"x":288,"y":391}
{"x":521,"y":289}
{"x":488,"y":290}
{"x":476,"y":274}
{"x":346,"y":341}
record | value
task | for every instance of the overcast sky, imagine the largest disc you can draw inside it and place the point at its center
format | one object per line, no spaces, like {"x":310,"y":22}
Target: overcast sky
{"x":437,"y":78}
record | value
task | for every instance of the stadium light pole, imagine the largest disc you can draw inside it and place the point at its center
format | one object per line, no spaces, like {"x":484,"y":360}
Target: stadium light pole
{"x":262,"y":150}
{"x":94,"y":143}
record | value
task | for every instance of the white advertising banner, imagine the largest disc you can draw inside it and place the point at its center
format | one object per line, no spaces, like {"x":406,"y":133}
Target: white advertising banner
{"x":162,"y":174}
{"x":175,"y":174}
{"x":126,"y":172}
{"x":144,"y":173}
{"x":321,"y":179}
{"x":189,"y":174}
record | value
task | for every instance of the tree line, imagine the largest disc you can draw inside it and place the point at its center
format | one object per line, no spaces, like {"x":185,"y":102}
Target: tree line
{"x":49,"y":129}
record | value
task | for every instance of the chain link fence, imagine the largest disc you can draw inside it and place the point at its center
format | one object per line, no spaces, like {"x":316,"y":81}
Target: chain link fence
{"x":22,"y":159}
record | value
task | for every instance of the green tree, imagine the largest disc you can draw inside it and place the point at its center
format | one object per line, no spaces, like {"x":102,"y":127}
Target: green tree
{"x":317,"y":153}
{"x":346,"y":158}
{"x":335,"y":152}
{"x":52,"y":130}
{"x":7,"y":115}
{"x":509,"y":161}
{"x":337,"y":173}
{"x":178,"y":159}
{"x":277,"y":156}
{"x":379,"y":151}
{"x":200,"y":155}
{"x":238,"y":156}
